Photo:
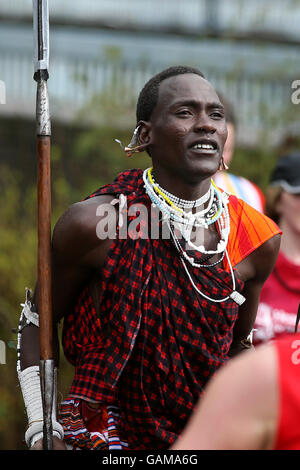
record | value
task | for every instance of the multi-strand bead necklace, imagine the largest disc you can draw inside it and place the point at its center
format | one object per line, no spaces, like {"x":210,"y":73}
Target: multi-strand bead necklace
{"x":178,"y":213}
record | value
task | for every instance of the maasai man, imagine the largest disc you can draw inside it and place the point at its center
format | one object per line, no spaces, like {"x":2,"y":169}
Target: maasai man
{"x":149,"y":317}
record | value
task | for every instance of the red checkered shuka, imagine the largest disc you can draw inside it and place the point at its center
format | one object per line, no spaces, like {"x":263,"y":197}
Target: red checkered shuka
{"x":149,"y":343}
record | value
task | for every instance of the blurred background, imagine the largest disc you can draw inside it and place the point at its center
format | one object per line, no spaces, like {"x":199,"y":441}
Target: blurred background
{"x":101,"y":54}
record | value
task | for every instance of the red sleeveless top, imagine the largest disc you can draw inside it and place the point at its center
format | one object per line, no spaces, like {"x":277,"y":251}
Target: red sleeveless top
{"x":288,"y":432}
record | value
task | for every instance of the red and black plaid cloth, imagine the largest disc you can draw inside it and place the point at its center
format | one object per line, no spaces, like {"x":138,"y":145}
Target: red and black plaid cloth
{"x":152,"y":343}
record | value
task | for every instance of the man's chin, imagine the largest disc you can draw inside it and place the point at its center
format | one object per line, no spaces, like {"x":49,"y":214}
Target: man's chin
{"x":199,"y":171}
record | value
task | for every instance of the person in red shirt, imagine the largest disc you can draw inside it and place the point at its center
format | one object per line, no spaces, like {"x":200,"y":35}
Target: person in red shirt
{"x":252,"y":402}
{"x":280,"y":295}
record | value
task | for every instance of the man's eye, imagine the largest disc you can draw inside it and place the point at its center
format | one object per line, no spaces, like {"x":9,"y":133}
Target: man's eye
{"x":184,"y":112}
{"x":217,"y":115}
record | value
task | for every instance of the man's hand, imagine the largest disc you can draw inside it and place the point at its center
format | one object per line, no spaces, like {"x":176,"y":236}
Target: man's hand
{"x":58,"y":444}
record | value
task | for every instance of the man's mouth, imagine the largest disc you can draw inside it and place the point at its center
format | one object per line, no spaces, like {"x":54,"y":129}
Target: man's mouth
{"x":205,"y":146}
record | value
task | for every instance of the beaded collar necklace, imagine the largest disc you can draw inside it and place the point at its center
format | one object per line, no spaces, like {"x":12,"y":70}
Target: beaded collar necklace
{"x":178,"y":213}
{"x":176,"y":209}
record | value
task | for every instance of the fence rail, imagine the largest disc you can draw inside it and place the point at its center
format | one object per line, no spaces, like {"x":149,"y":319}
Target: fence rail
{"x":77,"y":84}
{"x":280,"y":17}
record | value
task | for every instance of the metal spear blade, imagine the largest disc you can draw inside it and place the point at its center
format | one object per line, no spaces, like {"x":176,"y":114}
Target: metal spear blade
{"x":41,"y":34}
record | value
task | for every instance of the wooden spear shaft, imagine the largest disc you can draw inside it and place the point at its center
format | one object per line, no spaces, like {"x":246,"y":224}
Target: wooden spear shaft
{"x":43,"y":133}
{"x":44,"y":247}
{"x":44,"y":281}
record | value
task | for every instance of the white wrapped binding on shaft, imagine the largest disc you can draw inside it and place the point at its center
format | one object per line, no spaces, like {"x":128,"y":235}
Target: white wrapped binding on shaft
{"x":30,"y":385}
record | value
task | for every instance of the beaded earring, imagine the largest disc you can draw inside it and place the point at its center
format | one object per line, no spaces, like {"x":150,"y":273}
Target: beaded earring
{"x":132,"y":147}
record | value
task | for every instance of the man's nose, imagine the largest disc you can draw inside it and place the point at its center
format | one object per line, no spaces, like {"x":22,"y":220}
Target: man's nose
{"x":204,"y":125}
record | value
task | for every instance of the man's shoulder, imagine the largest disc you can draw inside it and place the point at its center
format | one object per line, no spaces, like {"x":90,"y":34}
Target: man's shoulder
{"x":83,"y":213}
{"x":250,"y":214}
{"x":126,"y":182}
{"x":251,"y":231}
{"x":78,"y":224}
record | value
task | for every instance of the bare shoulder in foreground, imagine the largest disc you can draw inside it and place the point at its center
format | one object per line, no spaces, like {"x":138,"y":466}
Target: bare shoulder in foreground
{"x":239,"y":409}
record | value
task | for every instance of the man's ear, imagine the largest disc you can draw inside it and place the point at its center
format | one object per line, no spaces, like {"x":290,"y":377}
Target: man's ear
{"x":145,"y":133}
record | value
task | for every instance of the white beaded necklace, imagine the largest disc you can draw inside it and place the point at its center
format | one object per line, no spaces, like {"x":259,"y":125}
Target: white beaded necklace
{"x":234,"y":295}
{"x":189,"y":220}
{"x":173,"y":207}
{"x":189,"y":258}
{"x":178,"y":214}
{"x":184,"y":204}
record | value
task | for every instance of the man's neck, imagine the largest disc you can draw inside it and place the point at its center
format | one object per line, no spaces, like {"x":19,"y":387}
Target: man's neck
{"x":183,"y":189}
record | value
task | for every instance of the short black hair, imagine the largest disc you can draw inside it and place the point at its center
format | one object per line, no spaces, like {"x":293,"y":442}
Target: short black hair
{"x":148,"y":97}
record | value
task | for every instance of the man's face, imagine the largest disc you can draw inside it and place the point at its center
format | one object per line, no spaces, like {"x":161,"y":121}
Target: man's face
{"x":188,"y":128}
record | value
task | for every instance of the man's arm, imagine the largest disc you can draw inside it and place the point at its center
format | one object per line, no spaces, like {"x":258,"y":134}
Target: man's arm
{"x":77,"y":253}
{"x":239,"y":408}
{"x":256,"y":268}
